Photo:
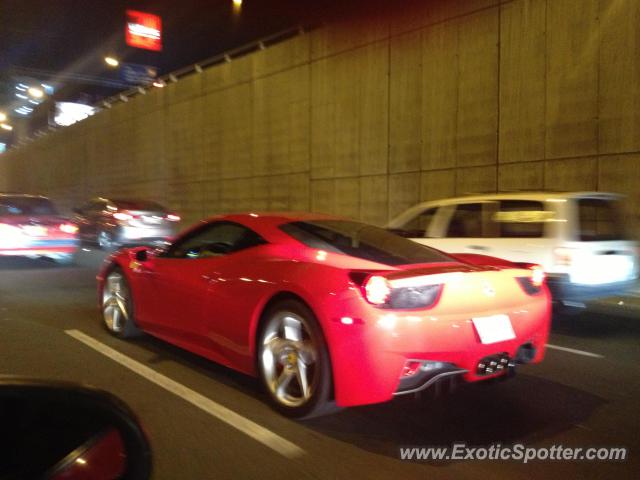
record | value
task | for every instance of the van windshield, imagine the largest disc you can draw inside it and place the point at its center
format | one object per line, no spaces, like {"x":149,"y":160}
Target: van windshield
{"x":600,"y":220}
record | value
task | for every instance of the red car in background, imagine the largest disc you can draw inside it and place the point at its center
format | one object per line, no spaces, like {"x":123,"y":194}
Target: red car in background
{"x":30,"y":226}
{"x":325,"y":309}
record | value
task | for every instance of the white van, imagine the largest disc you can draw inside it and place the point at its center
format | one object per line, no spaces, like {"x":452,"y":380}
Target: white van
{"x":579,"y":238}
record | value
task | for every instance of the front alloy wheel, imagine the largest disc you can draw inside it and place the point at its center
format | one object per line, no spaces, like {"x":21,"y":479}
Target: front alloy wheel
{"x":293,"y":363}
{"x":117,"y":306}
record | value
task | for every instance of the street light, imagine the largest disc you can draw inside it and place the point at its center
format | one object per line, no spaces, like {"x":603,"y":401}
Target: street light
{"x":237,"y":5}
{"x":3,"y":117}
{"x":111,"y":61}
{"x":35,"y":92}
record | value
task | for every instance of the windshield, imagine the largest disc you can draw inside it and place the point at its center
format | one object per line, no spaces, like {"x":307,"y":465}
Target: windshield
{"x":19,"y":206}
{"x":362,"y":241}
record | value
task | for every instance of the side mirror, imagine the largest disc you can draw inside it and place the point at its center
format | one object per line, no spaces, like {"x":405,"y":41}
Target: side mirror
{"x":59,"y":430}
{"x":142,"y":255}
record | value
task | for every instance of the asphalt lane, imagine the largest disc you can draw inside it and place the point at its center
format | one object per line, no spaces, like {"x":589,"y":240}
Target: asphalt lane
{"x":570,"y":399}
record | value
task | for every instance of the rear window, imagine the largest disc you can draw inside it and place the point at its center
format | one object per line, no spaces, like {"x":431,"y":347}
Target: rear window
{"x":19,"y":206}
{"x":600,"y":220}
{"x":362,"y":241}
{"x":139,"y":205}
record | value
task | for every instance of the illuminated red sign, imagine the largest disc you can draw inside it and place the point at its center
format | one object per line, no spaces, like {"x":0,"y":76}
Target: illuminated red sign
{"x":144,"y":30}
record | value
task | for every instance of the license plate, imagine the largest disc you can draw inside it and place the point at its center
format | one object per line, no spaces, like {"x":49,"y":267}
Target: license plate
{"x":493,"y":329}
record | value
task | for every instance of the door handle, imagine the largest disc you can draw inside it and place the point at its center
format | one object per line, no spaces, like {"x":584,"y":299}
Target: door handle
{"x":478,"y":247}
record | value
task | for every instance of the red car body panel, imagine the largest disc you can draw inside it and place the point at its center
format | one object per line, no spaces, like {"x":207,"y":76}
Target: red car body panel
{"x":213,"y":307}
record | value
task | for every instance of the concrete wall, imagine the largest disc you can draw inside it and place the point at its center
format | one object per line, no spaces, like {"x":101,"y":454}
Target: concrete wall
{"x":367,"y":117}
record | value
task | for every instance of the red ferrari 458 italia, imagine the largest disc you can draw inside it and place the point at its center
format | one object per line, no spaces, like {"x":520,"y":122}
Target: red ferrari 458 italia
{"x":325,"y":310}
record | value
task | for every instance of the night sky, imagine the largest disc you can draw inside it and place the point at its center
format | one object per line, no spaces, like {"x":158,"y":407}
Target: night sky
{"x":41,"y":37}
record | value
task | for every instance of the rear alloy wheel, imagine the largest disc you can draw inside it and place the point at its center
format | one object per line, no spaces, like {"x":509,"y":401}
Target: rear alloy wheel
{"x":293,"y":361}
{"x":105,"y":241}
{"x":117,"y":306}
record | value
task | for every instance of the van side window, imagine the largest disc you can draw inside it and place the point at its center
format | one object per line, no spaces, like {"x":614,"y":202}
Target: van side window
{"x":520,"y":219}
{"x":466,"y":221}
{"x":417,"y":227}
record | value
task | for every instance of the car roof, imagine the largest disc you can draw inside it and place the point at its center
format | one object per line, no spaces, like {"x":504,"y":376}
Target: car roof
{"x":267,"y":223}
{"x":21,"y":195}
{"x":521,"y":195}
{"x":275,"y":217}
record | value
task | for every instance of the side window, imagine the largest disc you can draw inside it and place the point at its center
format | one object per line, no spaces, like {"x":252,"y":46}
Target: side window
{"x":466,"y":221}
{"x":520,"y":219}
{"x":94,"y":207}
{"x":214,"y":240}
{"x":417,"y":227}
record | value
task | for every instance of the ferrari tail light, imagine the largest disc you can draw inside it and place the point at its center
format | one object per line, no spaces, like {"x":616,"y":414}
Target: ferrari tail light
{"x":122,"y":216}
{"x":381,"y":292}
{"x":532,"y":284}
{"x":173,"y":218}
{"x":537,"y":275}
{"x":377,"y":290}
{"x":69,"y":228}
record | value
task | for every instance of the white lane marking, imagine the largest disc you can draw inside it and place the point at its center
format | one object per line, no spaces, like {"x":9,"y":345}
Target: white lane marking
{"x":231,"y":418}
{"x":573,"y":350}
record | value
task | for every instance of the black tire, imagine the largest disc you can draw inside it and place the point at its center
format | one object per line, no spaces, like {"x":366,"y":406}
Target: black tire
{"x":128,"y":328}
{"x":320,"y":403}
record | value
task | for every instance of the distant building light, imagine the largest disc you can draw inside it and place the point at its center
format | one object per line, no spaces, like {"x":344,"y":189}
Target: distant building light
{"x":3,"y":147}
{"x":144,"y":30}
{"x":35,"y":92}
{"x":6,"y":127}
{"x":23,"y":97}
{"x":48,"y":89}
{"x":68,"y":113}
{"x":20,"y":88}
{"x":3,"y":117}
{"x":158,"y":84}
{"x":34,"y":102}
{"x":111,"y":61}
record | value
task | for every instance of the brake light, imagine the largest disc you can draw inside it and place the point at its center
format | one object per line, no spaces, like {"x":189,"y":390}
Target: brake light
{"x":69,"y":228}
{"x":407,"y":293}
{"x":6,"y":229}
{"x":173,"y":218}
{"x":532,"y":285}
{"x":537,"y":275}
{"x":122,"y":216}
{"x":377,"y":290}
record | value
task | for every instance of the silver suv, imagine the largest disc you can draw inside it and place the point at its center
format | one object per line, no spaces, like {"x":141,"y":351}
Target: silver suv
{"x":579,"y":238}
